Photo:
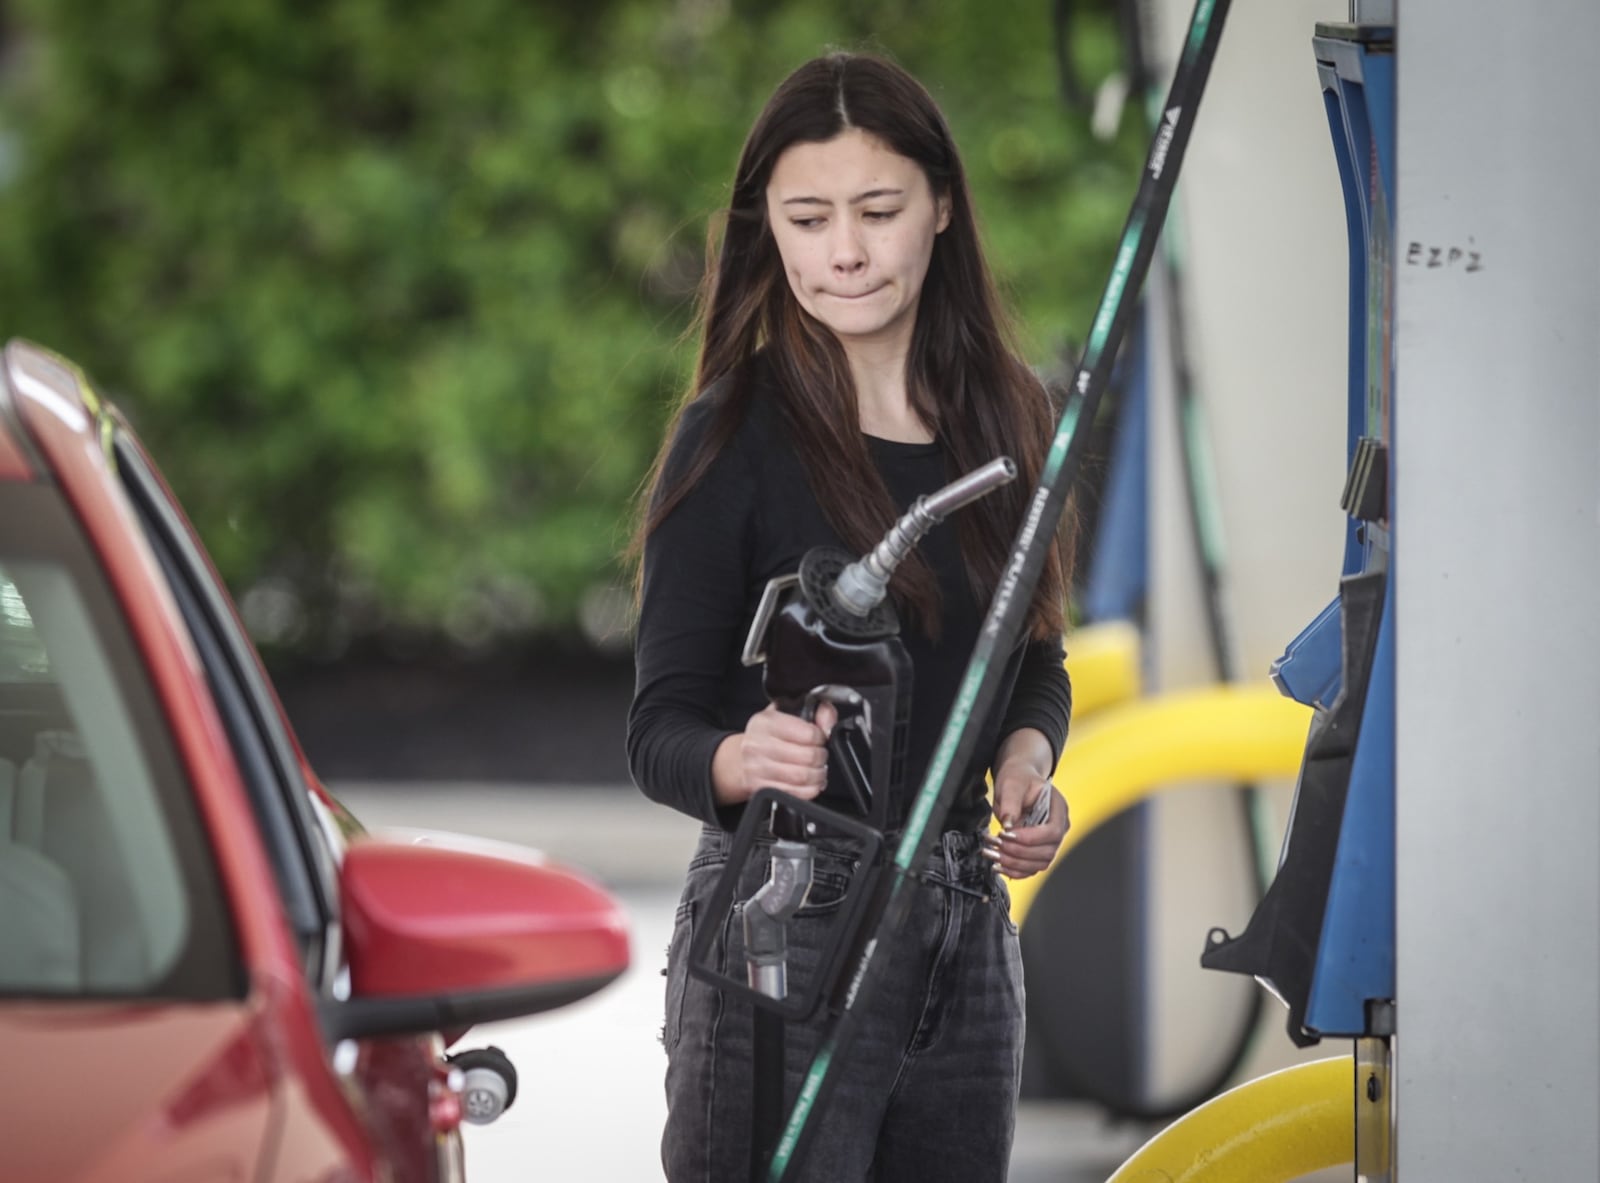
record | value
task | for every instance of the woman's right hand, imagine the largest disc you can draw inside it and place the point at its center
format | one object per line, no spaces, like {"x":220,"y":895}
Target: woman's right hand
{"x":775,"y":750}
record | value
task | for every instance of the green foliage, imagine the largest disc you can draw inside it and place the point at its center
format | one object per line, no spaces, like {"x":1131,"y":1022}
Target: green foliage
{"x":396,"y":292}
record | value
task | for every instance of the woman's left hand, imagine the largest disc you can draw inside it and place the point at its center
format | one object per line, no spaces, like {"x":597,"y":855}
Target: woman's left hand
{"x":1023,"y":850}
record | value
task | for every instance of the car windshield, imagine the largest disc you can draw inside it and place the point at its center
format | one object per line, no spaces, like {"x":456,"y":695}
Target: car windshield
{"x":105,"y":886}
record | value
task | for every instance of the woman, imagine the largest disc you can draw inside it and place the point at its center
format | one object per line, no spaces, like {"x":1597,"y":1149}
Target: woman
{"x":852,"y":358}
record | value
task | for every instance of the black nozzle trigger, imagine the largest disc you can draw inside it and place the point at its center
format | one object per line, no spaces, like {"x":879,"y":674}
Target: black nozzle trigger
{"x":854,"y":717}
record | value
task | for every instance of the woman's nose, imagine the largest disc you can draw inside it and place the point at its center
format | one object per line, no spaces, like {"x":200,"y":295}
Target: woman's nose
{"x":847,"y":254}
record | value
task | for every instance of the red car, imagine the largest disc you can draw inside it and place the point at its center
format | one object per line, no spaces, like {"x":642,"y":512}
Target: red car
{"x":208,"y":970}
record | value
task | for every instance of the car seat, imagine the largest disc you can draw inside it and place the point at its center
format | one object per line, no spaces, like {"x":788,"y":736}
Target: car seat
{"x":8,"y":797}
{"x":40,"y":944}
{"x":61,"y":814}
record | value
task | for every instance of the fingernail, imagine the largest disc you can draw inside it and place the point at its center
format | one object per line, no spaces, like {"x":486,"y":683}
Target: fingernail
{"x":992,"y":855}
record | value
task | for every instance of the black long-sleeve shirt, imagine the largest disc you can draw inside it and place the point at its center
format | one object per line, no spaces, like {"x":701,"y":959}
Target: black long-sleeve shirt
{"x":751,"y":517}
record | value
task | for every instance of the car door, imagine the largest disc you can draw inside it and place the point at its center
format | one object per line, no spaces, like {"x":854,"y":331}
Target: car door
{"x":389,"y":1082}
{"x":132,"y":1047}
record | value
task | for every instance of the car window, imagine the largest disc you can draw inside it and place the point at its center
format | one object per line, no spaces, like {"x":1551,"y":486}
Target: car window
{"x":107,"y":887}
{"x":302,"y":860}
{"x":22,"y":655}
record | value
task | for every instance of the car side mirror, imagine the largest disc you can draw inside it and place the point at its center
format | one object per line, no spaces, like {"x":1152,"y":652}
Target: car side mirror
{"x":441,"y":935}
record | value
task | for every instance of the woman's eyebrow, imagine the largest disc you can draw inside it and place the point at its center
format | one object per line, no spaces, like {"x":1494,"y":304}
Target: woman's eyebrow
{"x":869,"y":195}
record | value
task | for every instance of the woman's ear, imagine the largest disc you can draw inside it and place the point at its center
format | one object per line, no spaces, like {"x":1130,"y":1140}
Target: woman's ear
{"x":942,"y":205}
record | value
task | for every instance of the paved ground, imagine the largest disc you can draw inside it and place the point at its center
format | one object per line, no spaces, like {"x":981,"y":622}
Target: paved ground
{"x":590,"y":1104}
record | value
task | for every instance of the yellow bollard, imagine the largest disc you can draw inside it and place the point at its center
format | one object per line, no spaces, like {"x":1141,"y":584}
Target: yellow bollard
{"x":1103,"y":662}
{"x":1273,"y":1129}
{"x":1125,"y":753}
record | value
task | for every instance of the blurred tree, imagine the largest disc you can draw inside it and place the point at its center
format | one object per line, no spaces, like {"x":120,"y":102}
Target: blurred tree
{"x":396,"y":291}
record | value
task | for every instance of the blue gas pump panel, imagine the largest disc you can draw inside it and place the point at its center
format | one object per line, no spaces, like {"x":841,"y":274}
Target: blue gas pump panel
{"x":1355,"y":953}
{"x":1323,"y":935}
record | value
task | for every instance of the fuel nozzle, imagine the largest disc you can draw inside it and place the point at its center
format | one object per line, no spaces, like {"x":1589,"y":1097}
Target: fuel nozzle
{"x":862,"y":585}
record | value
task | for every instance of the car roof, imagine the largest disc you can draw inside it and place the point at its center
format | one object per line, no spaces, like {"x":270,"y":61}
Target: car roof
{"x":42,"y":392}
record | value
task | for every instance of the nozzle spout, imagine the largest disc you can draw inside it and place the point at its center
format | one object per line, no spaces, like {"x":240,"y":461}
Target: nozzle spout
{"x":863,"y":584}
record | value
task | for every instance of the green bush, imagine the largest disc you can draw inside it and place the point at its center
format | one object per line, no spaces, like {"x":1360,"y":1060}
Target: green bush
{"x":396,"y":291}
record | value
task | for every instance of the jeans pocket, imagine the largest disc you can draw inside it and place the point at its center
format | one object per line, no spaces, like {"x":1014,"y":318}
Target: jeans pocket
{"x":677,"y":974}
{"x":828,"y":888}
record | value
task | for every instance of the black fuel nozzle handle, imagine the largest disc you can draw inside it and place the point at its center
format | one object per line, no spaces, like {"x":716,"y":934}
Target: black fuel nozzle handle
{"x":862,"y":585}
{"x":853,"y":713}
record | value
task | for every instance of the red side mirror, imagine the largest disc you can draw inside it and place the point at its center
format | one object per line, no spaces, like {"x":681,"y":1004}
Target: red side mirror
{"x":442,"y":936}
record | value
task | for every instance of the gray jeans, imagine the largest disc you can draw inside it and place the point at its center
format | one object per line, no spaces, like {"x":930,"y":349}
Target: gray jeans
{"x":928,"y":1089}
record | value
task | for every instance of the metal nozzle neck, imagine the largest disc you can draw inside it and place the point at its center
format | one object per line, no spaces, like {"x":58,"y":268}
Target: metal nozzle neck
{"x":862,"y":585}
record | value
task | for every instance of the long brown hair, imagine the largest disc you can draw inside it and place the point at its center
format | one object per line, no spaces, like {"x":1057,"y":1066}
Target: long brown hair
{"x":962,"y":374}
